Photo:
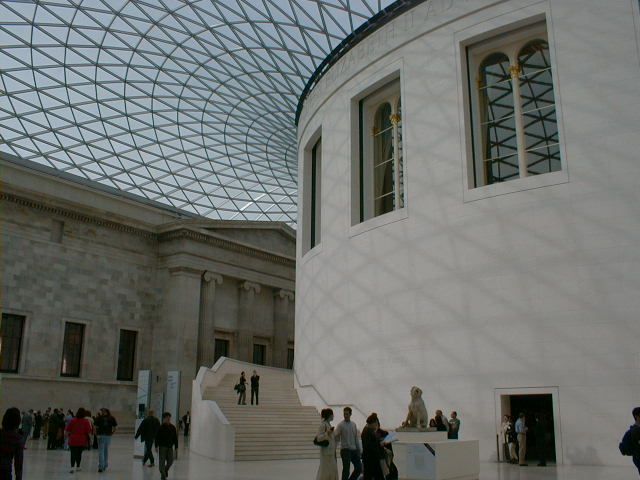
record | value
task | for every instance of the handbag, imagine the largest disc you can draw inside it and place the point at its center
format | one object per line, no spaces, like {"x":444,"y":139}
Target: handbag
{"x":321,"y":443}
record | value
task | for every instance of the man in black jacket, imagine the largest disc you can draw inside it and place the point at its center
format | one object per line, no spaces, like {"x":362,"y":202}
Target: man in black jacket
{"x":147,"y":433}
{"x":166,"y":441}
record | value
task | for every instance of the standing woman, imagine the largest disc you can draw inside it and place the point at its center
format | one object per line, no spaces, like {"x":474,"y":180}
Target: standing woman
{"x":78,"y":432}
{"x":11,"y":446}
{"x":328,"y":469}
{"x":372,"y":451}
{"x":242,"y":390}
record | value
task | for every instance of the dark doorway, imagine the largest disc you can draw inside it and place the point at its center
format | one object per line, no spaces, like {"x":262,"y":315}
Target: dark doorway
{"x":538,"y":410}
{"x":259,"y":354}
{"x":221,"y":349}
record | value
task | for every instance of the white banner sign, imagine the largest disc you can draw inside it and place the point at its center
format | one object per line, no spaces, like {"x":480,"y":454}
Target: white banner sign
{"x":172,"y":397}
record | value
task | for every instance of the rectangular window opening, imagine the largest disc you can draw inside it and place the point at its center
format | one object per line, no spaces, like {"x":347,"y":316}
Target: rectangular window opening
{"x":380,"y":172}
{"x":72,"y":349}
{"x":11,"y":332}
{"x":126,"y":354}
{"x":514,"y":129}
{"x":312,"y":191}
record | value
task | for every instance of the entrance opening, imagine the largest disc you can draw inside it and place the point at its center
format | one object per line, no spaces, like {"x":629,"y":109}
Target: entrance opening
{"x":541,"y":409}
{"x":538,"y":410}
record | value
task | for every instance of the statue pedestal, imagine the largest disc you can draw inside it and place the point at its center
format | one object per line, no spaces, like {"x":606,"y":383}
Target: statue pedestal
{"x":413,"y":435}
{"x":439,"y":460}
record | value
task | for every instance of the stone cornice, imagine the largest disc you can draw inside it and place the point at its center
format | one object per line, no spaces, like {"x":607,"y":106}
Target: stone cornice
{"x":182,"y":270}
{"x":227,"y":245}
{"x":80,"y":217}
{"x":149,"y":234}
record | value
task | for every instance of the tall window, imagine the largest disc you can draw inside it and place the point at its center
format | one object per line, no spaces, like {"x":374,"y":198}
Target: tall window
{"x":312,"y":195}
{"x":72,"y":349}
{"x":259,"y":354}
{"x":11,"y":330}
{"x":127,"y":354}
{"x":381,"y":163}
{"x":221,"y":349}
{"x":513,"y":109}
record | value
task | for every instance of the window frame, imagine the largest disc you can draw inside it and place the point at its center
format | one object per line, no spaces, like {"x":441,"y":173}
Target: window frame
{"x":510,"y":45}
{"x":21,"y":341}
{"x":502,"y":24}
{"x":312,"y":194}
{"x":368,"y":106}
{"x":81,"y":346}
{"x":133,"y":356}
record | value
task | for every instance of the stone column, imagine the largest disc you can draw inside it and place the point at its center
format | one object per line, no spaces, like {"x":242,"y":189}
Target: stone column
{"x":281,"y":307}
{"x":246,"y":320}
{"x":175,"y":338}
{"x":206,"y":345}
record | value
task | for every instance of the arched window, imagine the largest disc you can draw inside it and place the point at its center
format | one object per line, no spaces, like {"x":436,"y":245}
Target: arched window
{"x":540,"y":127}
{"x":497,"y":119}
{"x":514,"y":126}
{"x":381,"y":162}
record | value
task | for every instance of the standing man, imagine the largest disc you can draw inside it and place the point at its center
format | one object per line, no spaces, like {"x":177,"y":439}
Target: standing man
{"x":347,"y":434}
{"x":255,"y":386}
{"x":105,"y":427}
{"x":186,"y":421}
{"x":521,"y":431}
{"x":166,"y":442}
{"x":454,"y":426}
{"x":147,"y":432}
{"x":441,"y":422}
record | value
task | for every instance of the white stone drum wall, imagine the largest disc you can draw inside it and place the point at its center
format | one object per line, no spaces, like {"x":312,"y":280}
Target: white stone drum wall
{"x":529,"y":289}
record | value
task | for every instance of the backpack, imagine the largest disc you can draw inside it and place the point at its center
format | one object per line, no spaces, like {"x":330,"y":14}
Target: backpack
{"x":629,"y":444}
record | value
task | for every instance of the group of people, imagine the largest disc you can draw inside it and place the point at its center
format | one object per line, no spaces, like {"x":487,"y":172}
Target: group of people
{"x":514,"y":439}
{"x":441,"y":424}
{"x":74,"y":432}
{"x":370,"y":453}
{"x":241,"y":388}
{"x":165,"y":438}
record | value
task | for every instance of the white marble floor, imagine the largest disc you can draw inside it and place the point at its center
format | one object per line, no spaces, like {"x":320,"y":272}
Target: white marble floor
{"x":41,"y":464}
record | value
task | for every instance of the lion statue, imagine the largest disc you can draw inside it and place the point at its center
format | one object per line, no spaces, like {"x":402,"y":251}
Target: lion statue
{"x":417,"y":416}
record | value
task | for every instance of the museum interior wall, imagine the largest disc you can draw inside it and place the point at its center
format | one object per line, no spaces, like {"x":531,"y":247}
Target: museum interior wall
{"x":472,"y":286}
{"x":136,"y":286}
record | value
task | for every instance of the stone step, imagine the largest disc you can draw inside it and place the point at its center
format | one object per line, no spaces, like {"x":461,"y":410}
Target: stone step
{"x":280,"y":428}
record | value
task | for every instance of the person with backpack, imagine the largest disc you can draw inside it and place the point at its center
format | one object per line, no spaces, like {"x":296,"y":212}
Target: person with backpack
{"x":630,"y":444}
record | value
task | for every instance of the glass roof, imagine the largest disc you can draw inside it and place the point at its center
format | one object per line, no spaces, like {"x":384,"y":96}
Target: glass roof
{"x":189,"y":103}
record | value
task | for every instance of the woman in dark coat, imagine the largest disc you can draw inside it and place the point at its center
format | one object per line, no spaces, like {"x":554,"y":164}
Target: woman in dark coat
{"x":241,"y":387}
{"x":11,"y":445}
{"x":388,"y":452}
{"x":372,"y":451}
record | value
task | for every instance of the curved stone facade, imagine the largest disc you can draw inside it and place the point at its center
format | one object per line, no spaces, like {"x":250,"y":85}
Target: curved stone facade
{"x":478,"y":294}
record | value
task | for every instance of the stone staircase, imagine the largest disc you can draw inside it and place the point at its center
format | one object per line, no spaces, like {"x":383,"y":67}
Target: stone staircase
{"x":279,"y":428}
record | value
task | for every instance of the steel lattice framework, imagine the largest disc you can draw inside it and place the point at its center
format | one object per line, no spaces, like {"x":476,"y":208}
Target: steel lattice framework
{"x":189,"y":103}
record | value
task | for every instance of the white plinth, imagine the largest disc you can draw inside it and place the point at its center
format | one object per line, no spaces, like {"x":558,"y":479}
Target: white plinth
{"x":444,"y":460}
{"x":421,"y":437}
